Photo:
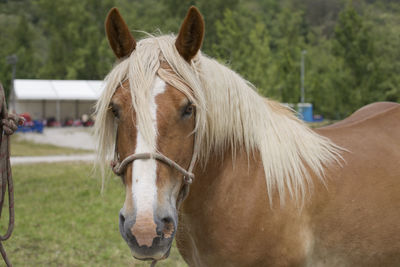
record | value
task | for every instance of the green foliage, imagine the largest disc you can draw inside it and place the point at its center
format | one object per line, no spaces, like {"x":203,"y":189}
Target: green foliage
{"x":252,"y":52}
{"x":352,"y":47}
{"x":73,"y":47}
{"x":288,"y":43}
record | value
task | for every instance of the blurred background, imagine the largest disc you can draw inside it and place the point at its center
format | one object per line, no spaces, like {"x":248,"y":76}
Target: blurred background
{"x":331,"y":56}
{"x":351,"y":54}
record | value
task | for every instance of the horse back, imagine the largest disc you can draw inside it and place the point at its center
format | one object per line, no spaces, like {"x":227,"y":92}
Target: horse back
{"x":364,"y":113}
{"x":357,"y":216}
{"x":373,"y":128}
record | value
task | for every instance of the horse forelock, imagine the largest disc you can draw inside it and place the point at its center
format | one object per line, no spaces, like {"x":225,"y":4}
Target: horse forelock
{"x":229,"y":114}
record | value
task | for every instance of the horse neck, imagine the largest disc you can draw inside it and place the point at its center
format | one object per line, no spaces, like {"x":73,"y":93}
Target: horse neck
{"x":228,"y":201}
{"x":226,"y":180}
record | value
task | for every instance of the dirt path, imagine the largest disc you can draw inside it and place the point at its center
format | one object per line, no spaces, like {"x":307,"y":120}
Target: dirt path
{"x":74,"y":137}
{"x":80,"y":138}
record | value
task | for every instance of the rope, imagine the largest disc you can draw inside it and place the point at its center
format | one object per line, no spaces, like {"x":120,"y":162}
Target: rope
{"x":119,"y":168}
{"x":8,"y":126}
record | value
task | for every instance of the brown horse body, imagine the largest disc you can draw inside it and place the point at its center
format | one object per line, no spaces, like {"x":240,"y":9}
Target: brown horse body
{"x":165,"y":98}
{"x":353,"y":221}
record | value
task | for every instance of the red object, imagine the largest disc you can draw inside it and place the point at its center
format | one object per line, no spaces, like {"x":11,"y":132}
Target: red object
{"x":26,"y":116}
{"x":28,"y":119}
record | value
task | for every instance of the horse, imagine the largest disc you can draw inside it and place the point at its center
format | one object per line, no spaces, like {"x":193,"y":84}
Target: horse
{"x":265,"y":189}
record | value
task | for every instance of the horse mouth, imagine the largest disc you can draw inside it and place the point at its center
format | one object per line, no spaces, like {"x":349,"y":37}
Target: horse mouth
{"x":157,"y":257}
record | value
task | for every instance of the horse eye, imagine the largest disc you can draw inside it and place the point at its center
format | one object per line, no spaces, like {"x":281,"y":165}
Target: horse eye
{"x":114,"y":110}
{"x":188,"y":110}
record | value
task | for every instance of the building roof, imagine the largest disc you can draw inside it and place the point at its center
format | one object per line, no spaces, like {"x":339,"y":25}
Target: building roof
{"x":57,"y":89}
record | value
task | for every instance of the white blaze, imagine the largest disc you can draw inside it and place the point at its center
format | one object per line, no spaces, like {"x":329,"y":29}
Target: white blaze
{"x":144,"y":189}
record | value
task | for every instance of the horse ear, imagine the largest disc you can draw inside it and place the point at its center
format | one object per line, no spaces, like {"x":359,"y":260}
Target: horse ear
{"x":118,"y":34}
{"x":191,"y":34}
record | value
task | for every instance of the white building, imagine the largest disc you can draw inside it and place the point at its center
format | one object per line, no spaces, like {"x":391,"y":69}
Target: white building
{"x":60,"y":99}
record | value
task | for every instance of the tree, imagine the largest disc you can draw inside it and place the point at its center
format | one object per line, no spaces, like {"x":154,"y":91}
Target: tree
{"x":74,"y":47}
{"x":352,"y":50}
{"x":288,"y":43}
{"x":355,"y":46}
{"x":243,"y":42}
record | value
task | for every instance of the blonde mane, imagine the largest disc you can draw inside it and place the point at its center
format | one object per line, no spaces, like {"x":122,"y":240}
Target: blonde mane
{"x":229,"y":113}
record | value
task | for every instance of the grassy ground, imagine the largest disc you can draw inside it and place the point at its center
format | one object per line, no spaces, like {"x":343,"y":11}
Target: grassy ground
{"x":63,"y":220}
{"x":21,"y":147}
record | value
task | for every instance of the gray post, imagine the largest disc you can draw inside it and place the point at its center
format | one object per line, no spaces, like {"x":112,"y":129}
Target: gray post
{"x":302,"y":70}
{"x":58,"y":111}
{"x":76,"y":110}
{"x":43,"y":109}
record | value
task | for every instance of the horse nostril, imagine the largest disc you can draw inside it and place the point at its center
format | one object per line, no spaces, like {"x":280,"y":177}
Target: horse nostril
{"x":121,"y":218}
{"x":168,"y":227}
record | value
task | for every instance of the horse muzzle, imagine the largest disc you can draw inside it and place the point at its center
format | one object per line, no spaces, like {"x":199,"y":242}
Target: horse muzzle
{"x":145,"y":242}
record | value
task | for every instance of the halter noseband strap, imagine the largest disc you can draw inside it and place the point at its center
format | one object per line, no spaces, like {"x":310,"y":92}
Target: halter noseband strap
{"x":120,"y":167}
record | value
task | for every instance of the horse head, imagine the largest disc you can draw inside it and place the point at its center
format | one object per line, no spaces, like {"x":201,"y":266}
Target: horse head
{"x":148,"y":219}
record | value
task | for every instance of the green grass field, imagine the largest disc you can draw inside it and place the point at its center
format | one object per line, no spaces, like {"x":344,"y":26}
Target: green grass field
{"x":21,"y":147}
{"x":63,"y":220}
